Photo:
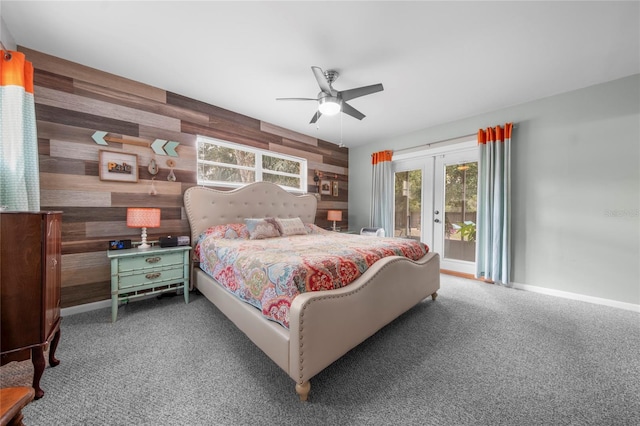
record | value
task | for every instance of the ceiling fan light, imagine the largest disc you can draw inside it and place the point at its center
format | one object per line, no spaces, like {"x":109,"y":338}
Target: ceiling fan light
{"x":329,"y":105}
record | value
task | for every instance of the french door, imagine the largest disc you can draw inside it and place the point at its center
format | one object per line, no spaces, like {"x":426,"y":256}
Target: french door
{"x":436,"y":202}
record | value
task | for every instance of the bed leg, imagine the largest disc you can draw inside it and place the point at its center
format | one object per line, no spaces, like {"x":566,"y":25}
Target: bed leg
{"x":303,"y":390}
{"x":434,"y":295}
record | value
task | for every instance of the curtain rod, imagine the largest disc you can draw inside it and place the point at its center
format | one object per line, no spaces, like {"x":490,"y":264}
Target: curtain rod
{"x":429,"y":145}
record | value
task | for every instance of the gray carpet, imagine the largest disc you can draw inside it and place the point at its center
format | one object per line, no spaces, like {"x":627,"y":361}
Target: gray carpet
{"x":479,"y":355}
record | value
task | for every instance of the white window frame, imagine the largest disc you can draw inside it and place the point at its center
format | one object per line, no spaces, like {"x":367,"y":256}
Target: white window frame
{"x":257,"y":168}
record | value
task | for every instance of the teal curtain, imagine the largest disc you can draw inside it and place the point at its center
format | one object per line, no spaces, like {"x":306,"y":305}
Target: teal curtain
{"x":19,"y":173}
{"x":493,"y":234}
{"x":382,"y":191}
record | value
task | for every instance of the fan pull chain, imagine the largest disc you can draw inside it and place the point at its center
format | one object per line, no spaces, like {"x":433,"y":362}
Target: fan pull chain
{"x":341,"y":144}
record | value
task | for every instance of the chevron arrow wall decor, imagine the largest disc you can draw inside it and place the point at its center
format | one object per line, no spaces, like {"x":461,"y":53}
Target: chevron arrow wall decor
{"x":164,"y":147}
{"x":159,"y":146}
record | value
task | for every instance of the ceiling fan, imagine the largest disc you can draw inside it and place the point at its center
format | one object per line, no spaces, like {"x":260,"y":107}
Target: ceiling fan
{"x":331,"y":101}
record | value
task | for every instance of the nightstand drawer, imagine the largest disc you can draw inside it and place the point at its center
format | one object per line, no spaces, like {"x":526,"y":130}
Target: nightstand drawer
{"x":155,"y":276}
{"x":152,"y":260}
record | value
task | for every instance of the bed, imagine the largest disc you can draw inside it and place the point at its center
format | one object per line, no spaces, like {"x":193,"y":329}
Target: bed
{"x":309,"y":341}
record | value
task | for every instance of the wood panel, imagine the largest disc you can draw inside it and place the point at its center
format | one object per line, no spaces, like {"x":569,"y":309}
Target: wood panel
{"x":128,"y":99}
{"x":309,"y":156}
{"x":59,"y":165}
{"x":84,"y":120}
{"x":74,"y":101}
{"x":212,"y":110}
{"x":86,"y":293}
{"x":53,"y":81}
{"x":288,"y":134}
{"x":80,"y":267}
{"x":52,"y":130}
{"x":77,"y":103}
{"x":44,"y":62}
{"x":74,"y":150}
{"x":65,"y":198}
{"x":61,"y":182}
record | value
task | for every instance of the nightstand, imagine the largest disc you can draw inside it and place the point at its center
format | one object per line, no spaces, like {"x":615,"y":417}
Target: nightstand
{"x":141,"y":272}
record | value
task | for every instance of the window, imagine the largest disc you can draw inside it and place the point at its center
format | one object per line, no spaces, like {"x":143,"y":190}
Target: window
{"x":223,"y":163}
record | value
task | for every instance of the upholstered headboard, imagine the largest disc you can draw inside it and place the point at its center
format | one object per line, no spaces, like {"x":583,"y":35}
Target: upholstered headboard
{"x":207,"y":207}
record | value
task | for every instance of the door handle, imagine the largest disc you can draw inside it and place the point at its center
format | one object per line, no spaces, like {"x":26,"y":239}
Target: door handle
{"x":436,"y":212}
{"x":436,"y":220}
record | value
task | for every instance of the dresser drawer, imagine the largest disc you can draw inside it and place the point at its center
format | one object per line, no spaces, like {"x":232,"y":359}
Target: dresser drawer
{"x":152,"y":260}
{"x":156,"y":276}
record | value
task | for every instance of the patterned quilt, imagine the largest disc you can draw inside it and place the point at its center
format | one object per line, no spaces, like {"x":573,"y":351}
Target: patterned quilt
{"x":268,"y":273}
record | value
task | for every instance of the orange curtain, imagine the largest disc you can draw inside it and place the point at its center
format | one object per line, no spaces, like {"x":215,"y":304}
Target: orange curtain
{"x":19,"y":169}
{"x":15,"y":70}
{"x":495,"y":134}
{"x":381,"y":156}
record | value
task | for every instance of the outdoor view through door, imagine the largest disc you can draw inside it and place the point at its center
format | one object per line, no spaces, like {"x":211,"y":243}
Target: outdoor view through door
{"x":408,"y":208}
{"x":436,"y":200}
{"x":461,"y":202}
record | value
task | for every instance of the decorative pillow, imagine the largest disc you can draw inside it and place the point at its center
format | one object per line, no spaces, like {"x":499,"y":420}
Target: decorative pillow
{"x":292,"y":226}
{"x":229,"y":231}
{"x":312,"y":228}
{"x":261,"y":228}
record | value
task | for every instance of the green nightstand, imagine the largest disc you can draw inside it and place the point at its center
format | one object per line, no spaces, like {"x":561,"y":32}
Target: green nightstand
{"x":141,"y":272}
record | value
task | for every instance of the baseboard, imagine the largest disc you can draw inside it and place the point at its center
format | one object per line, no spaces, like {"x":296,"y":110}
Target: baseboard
{"x":78,"y":309}
{"x":580,"y":297}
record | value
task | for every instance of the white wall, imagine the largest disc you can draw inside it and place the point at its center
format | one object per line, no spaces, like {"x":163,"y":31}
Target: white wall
{"x":5,"y":36}
{"x":576,"y":187}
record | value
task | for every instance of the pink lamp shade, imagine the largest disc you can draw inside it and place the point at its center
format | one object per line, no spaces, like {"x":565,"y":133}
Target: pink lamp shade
{"x":334,"y":215}
{"x":143,"y":218}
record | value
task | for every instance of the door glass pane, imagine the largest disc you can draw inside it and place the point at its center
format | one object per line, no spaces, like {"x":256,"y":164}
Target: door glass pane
{"x":461,"y":201}
{"x":408,"y":208}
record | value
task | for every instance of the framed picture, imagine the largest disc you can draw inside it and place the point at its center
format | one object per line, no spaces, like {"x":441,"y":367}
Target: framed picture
{"x":334,"y":188}
{"x":118,"y":166}
{"x":325,"y":187}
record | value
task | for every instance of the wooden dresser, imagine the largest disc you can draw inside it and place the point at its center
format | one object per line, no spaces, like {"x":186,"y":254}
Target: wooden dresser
{"x":30,"y":252}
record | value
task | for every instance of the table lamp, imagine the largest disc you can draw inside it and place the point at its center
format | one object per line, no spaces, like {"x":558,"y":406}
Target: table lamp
{"x":143,"y":218}
{"x":334,"y":215}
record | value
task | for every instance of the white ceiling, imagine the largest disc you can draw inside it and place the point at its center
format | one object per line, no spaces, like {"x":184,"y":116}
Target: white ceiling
{"x":438,"y":61}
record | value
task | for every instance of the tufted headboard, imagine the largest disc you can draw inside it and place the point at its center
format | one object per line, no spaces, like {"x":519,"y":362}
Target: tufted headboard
{"x":207,"y":207}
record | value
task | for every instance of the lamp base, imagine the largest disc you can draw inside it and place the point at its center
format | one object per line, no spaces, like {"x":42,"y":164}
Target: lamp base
{"x":143,"y":244}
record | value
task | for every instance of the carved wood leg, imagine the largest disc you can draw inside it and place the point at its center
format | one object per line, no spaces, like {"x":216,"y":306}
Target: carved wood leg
{"x":434,"y":295}
{"x":53,"y":361}
{"x":37,"y":358}
{"x":303,"y":390}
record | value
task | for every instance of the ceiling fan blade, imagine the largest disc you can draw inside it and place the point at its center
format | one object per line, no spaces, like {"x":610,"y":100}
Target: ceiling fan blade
{"x":296,"y":99}
{"x":347,"y":95}
{"x":322,"y":80}
{"x":348,"y":109}
{"x":315,"y":117}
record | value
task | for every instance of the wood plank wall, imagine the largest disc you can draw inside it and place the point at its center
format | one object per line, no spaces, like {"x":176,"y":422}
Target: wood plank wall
{"x":73,"y":101}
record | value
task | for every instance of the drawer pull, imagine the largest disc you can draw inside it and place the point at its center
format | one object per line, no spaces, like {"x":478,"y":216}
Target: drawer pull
{"x":153,"y":259}
{"x":153,"y":276}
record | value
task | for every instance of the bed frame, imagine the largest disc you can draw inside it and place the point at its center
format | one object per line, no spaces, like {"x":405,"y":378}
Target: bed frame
{"x":387,"y":289}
